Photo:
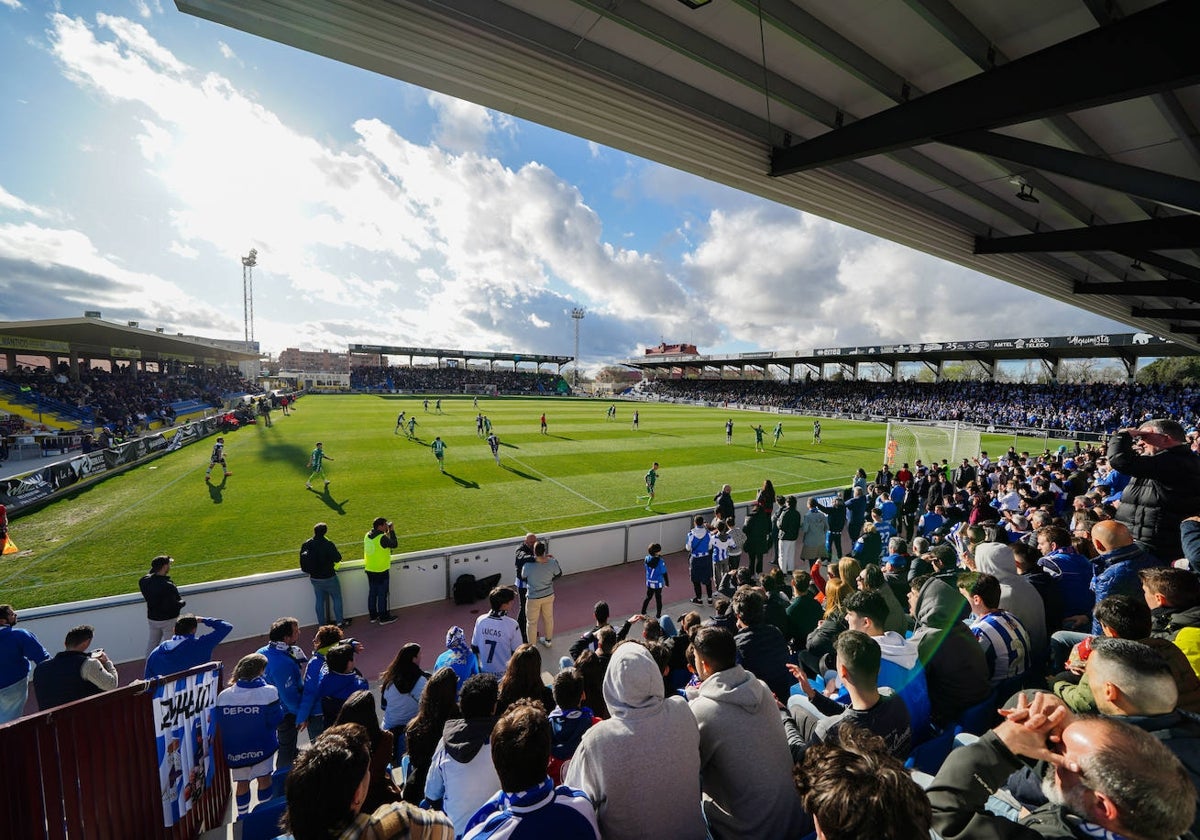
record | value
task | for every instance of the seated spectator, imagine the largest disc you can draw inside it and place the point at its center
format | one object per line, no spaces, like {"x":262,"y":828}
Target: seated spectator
{"x":523,"y":678}
{"x":737,"y":716}
{"x":1073,"y":573}
{"x":1026,"y":557}
{"x":247,"y":713}
{"x":424,"y":732}
{"x":820,"y":642}
{"x":1018,"y":595}
{"x":1173,"y":596}
{"x":326,"y":637}
{"x":1106,"y":777}
{"x":569,"y":720}
{"x":592,"y":668}
{"x":872,"y":579}
{"x":73,"y":673}
{"x":588,"y":640}
{"x":854,"y":788}
{"x":326,"y":789}
{"x":458,"y":655}
{"x":1118,"y":561}
{"x":804,"y":611}
{"x":400,"y":688}
{"x":955,"y":666}
{"x":869,"y":546}
{"x":1003,"y":637}
{"x":1133,"y":684}
{"x":360,"y":708}
{"x":339,"y":679}
{"x":900,"y":669}
{"x":1122,"y":617}
{"x":761,"y":647}
{"x":635,"y":796}
{"x":185,"y":650}
{"x":528,"y":803}
{"x":461,"y":775}
{"x":812,"y":718}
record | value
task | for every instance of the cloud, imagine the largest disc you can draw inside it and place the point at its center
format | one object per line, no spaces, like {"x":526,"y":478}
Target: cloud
{"x":8,"y":201}
{"x":226,"y":50}
{"x":594,"y":149}
{"x":380,"y":239}
{"x":464,"y":126}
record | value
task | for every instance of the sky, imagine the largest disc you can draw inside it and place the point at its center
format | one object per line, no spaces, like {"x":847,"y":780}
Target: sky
{"x":145,"y":152}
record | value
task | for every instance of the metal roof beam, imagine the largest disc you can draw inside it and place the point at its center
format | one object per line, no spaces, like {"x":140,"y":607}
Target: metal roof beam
{"x":1166,"y":265}
{"x":1144,"y":53}
{"x":1185,"y":313}
{"x":1171,"y":190}
{"x":1144,"y":289}
{"x":1149,"y":235}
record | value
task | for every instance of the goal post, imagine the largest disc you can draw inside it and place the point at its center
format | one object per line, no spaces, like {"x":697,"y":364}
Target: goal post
{"x":906,"y":442}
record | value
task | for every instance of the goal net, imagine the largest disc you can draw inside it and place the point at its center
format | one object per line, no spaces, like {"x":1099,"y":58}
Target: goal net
{"x":908,"y":442}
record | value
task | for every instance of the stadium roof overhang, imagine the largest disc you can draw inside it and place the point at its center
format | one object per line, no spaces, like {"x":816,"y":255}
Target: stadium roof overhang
{"x":465,"y":355}
{"x":94,"y":338}
{"x":1128,"y":347}
{"x":1050,"y":143}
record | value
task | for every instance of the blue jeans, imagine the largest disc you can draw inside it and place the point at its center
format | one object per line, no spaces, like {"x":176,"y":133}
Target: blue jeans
{"x":287,"y":733}
{"x":833,"y":545}
{"x":12,"y":700}
{"x":378,"y":585}
{"x":1060,"y":647}
{"x":327,"y":588}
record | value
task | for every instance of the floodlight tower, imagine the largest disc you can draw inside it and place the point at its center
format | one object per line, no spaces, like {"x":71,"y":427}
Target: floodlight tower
{"x":577,"y":314}
{"x":248,"y":263}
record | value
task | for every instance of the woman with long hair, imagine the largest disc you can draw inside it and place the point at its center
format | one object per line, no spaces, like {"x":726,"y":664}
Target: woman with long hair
{"x":523,"y":678}
{"x":591,"y":667}
{"x":360,"y":708}
{"x":438,"y":705}
{"x":847,"y":571}
{"x":401,"y":684}
{"x":766,"y":496}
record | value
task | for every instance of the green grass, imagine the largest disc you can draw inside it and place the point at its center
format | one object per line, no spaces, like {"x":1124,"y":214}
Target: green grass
{"x":585,"y":471}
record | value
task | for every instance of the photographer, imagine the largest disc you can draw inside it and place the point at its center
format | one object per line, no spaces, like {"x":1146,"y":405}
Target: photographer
{"x":377,"y":562}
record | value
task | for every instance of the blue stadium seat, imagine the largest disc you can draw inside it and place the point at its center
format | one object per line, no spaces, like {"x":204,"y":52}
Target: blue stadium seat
{"x":928,"y":757}
{"x":980,"y":717}
{"x":263,"y":822}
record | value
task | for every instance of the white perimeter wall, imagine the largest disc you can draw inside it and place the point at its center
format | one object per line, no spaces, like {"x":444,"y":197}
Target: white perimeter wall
{"x":250,"y":603}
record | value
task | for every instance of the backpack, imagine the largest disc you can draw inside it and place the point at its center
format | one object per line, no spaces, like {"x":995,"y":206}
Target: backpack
{"x":464,"y":590}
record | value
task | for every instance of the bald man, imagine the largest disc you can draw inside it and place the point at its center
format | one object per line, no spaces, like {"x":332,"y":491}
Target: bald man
{"x":1119,"y":561}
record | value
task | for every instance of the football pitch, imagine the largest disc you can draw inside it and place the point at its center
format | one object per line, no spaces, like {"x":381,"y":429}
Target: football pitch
{"x":587,"y":470}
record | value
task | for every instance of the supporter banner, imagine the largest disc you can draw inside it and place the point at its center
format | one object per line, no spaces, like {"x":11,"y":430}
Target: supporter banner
{"x":85,"y":465}
{"x":16,"y":342}
{"x":183,"y":735}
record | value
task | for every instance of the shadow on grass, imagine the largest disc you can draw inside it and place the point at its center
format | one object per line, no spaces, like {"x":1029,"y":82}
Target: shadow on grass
{"x":659,"y":434}
{"x":561,"y":437}
{"x":462,"y":482}
{"x":215,"y":490}
{"x":277,"y":451}
{"x":509,"y":445}
{"x":515,"y":471}
{"x":337,"y":507}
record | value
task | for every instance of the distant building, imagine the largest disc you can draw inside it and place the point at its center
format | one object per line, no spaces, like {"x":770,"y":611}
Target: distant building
{"x":314,"y":360}
{"x":672,"y":349}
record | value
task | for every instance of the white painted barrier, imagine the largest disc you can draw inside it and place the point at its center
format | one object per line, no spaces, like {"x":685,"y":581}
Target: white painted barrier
{"x":250,"y":603}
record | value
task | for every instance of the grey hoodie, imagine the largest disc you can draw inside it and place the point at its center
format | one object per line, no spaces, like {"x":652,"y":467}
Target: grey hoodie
{"x":641,"y":767}
{"x":1017,"y":594}
{"x":745,"y":762}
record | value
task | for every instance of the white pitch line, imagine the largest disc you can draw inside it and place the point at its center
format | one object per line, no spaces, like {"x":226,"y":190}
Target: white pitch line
{"x":560,"y":484}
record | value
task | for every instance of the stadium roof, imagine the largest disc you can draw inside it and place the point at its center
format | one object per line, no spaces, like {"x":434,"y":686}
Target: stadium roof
{"x":1050,"y":143}
{"x":1128,"y":347}
{"x":466,"y":355}
{"x":105,"y":340}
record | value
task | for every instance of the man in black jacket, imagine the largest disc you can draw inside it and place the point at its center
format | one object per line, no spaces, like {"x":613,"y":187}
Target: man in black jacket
{"x":163,"y":604}
{"x":724,"y":503}
{"x":1164,"y":486}
{"x":73,"y":673}
{"x":761,"y":648}
{"x":318,"y":559}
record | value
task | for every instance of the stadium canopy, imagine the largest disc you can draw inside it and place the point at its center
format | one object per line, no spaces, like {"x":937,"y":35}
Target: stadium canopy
{"x":75,"y":339}
{"x":1129,"y":348}
{"x":465,"y":356}
{"x":1050,"y":143}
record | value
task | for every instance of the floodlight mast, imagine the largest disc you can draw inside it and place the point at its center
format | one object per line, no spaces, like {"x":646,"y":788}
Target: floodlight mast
{"x":577,"y":313}
{"x":248,"y":263}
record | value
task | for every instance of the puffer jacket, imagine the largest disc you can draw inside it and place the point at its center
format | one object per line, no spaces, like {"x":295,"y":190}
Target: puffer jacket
{"x":1164,"y":488}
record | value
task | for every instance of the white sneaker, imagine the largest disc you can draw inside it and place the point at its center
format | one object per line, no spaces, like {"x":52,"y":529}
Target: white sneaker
{"x":546,"y":642}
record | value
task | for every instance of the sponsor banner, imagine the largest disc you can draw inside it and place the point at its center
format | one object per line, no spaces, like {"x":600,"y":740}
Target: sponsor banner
{"x":89,"y":464}
{"x":183,"y":737}
{"x":1063,"y":342}
{"x":125,"y":352}
{"x":17,"y":342}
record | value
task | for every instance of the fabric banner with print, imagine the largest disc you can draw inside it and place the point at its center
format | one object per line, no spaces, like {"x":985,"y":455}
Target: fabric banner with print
{"x":183,"y":726}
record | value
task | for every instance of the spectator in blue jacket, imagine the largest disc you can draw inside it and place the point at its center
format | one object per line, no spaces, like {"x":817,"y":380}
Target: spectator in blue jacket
{"x":285,"y":671}
{"x":185,"y":649}
{"x":248,"y":713}
{"x":1118,"y":563}
{"x":339,"y":679}
{"x":1071,"y":570}
{"x":327,"y":636}
{"x":19,"y":651}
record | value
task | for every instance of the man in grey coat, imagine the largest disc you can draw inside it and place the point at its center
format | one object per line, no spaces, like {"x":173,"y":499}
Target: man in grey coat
{"x":745,"y":763}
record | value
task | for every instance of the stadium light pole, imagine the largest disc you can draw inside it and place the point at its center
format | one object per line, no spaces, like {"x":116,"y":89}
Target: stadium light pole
{"x":248,"y":263}
{"x":577,"y":313}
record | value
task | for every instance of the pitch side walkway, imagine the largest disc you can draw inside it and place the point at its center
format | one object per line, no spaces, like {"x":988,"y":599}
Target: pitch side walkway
{"x":622,"y":586}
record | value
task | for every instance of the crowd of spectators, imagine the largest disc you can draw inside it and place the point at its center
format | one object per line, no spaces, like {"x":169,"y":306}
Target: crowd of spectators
{"x":454,"y":379}
{"x":125,"y":400}
{"x":1024,"y":630}
{"x":1101,"y":407}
